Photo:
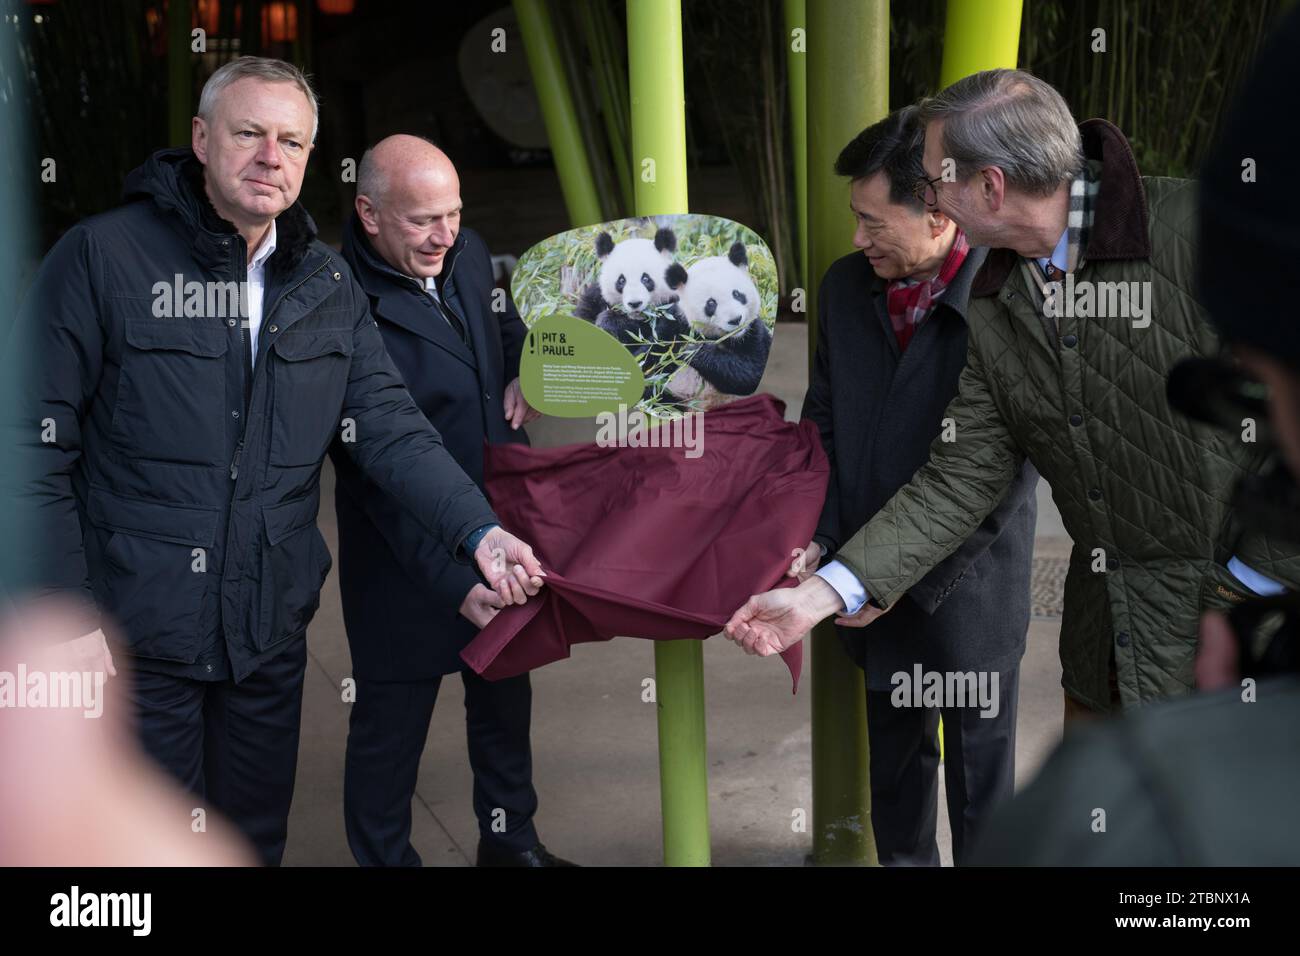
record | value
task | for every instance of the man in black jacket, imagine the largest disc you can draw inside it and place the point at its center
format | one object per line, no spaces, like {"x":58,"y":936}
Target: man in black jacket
{"x":408,"y":606}
{"x":193,"y":355}
{"x":891,"y":345}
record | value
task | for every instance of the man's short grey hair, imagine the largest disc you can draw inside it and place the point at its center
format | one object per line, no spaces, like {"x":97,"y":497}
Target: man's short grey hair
{"x":262,"y":68}
{"x":371,"y":183}
{"x":1012,"y":120}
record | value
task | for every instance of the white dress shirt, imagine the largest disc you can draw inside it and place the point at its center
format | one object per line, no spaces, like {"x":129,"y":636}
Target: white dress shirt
{"x":431,"y":287}
{"x":257,"y":287}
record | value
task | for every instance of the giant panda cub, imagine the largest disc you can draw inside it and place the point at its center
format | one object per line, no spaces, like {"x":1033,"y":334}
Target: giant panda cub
{"x":630,"y":285}
{"x":720,"y":301}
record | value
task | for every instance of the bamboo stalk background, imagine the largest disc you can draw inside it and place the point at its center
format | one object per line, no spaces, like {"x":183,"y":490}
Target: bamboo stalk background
{"x":1168,"y":72}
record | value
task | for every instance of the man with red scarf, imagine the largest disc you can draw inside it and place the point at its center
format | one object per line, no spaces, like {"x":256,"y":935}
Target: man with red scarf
{"x":891,"y":345}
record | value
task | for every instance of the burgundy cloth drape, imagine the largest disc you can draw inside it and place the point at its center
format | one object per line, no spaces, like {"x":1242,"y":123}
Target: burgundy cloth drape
{"x":645,"y":542}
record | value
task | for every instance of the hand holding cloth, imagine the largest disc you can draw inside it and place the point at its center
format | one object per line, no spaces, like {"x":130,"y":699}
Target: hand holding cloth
{"x":646,"y":542}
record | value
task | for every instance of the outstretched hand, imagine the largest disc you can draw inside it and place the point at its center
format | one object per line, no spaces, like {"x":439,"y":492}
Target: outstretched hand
{"x":774,"y":621}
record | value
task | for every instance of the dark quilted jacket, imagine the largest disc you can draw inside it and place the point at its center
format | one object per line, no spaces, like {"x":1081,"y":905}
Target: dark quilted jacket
{"x":167,"y":500}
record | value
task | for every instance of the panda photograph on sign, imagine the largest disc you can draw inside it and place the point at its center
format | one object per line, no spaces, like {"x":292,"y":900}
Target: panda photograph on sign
{"x":692,"y":298}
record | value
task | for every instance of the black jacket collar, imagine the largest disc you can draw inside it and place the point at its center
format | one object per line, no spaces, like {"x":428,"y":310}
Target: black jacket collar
{"x":393,"y":294}
{"x":173,"y":180}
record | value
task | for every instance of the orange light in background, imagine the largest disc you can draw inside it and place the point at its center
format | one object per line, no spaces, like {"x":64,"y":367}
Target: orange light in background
{"x":336,"y":7}
{"x":207,"y":16}
{"x":279,"y":22}
{"x":156,"y":28}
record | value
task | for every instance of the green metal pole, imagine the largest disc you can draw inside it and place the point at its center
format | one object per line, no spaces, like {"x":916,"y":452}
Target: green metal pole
{"x":654,"y":29}
{"x":796,"y":18}
{"x":658,"y":96}
{"x":180,"y":73}
{"x":848,"y":90}
{"x":979,"y":35}
{"x":556,"y":99}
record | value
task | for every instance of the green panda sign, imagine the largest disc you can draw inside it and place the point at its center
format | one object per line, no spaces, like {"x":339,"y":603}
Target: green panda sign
{"x":670,"y":314}
{"x":572,"y":369}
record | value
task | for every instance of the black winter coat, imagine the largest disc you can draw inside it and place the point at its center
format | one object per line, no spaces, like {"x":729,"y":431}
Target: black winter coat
{"x":878,"y":410}
{"x":400,"y":587}
{"x":183,"y":509}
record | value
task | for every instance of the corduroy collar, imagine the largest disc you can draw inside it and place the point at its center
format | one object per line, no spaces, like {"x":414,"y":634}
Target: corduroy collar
{"x":1119,"y":226}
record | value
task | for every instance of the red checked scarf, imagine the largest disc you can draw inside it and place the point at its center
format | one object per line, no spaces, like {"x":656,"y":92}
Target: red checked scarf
{"x":909,"y":300}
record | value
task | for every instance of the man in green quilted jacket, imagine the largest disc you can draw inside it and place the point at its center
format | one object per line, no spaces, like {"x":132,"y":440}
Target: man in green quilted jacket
{"x":1075,"y":320}
{"x":1211,"y":779}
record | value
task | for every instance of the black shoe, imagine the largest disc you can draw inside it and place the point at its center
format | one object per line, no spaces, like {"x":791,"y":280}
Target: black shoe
{"x":492,"y":855}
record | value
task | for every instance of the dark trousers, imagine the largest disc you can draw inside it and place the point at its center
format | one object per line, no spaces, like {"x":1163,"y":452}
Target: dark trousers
{"x":234,"y":746}
{"x":979,"y":772}
{"x":388,"y":728}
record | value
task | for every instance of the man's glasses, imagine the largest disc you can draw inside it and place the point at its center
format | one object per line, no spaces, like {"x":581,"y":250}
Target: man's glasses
{"x":926,"y":190}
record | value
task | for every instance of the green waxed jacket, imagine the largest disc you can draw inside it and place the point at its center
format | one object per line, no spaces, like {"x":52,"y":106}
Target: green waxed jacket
{"x":1144,"y":492}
